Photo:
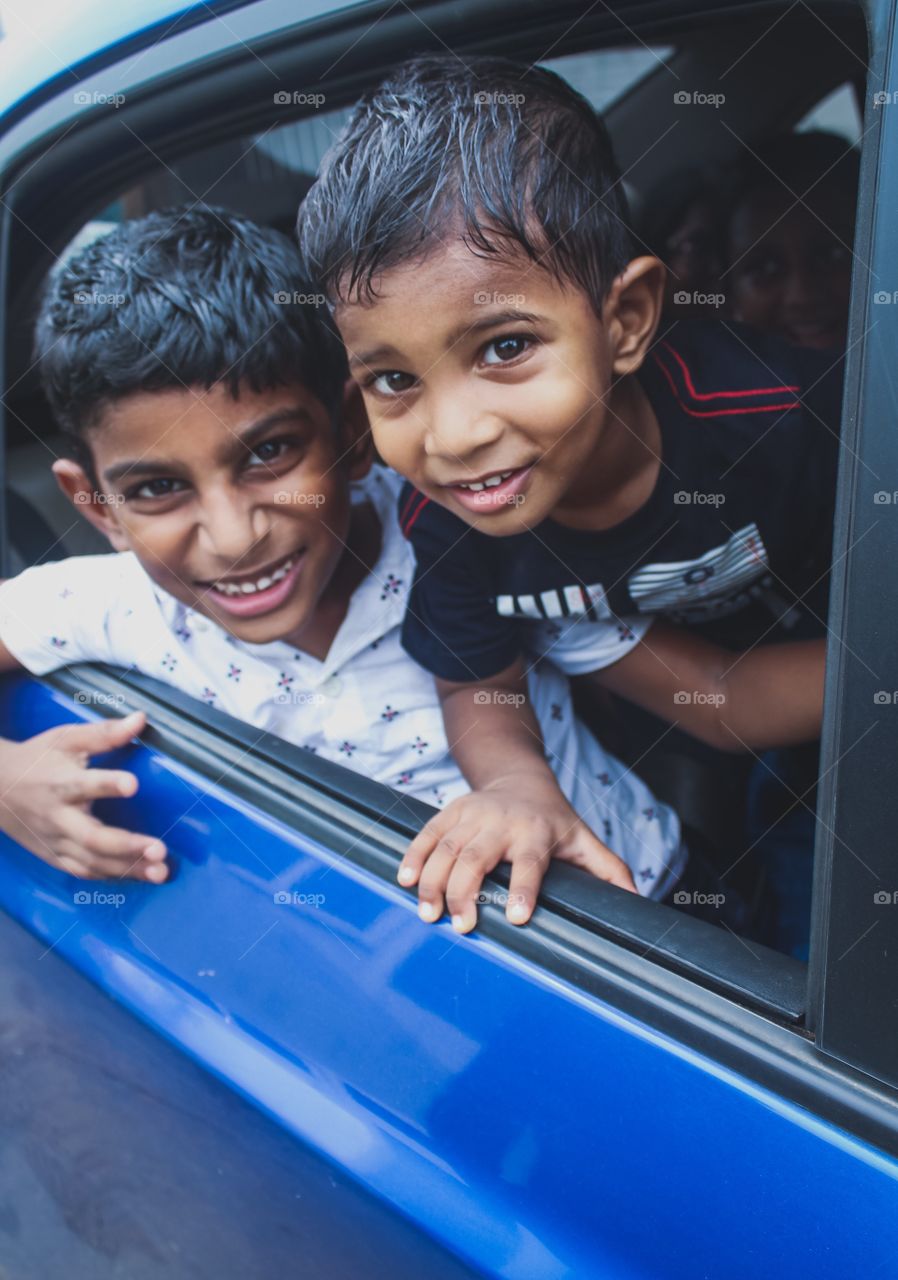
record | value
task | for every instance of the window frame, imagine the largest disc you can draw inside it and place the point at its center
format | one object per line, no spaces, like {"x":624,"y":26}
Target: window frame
{"x":851,"y":1004}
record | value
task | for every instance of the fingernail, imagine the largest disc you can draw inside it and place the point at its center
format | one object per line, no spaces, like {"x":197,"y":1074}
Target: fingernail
{"x":157,"y":872}
{"x":126,"y":786}
{"x":154,"y":851}
{"x":427,"y":911}
{"x":406,"y":875}
{"x":518,"y":914}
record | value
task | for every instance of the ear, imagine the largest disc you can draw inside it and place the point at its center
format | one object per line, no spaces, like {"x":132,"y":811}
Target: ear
{"x":356,"y":443}
{"x":632,"y":310}
{"x":80,"y":490}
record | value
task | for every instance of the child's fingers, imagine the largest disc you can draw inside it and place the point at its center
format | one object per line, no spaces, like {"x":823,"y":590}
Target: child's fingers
{"x":101,"y":843}
{"x":432,"y":884}
{"x":77,"y":861}
{"x":466,"y":881}
{"x":421,"y":848}
{"x":98,"y":736}
{"x":461,"y":860}
{"x":595,"y":857}
{"x":454,"y":844}
{"x":102,"y":784}
{"x":529,"y":864}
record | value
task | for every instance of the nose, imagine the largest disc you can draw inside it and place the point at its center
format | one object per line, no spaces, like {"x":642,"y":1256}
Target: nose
{"x":459,"y":427}
{"x":232,"y":527}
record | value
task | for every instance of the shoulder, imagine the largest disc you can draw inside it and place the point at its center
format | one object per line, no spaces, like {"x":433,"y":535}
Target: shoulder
{"x":98,"y":575}
{"x":430,"y":527}
{"x":716,"y":370}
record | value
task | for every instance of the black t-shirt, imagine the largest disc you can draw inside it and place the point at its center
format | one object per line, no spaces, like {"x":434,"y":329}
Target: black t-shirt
{"x":735,"y":538}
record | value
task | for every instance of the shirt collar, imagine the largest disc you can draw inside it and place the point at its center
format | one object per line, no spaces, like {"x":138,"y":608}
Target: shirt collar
{"x":379,"y":602}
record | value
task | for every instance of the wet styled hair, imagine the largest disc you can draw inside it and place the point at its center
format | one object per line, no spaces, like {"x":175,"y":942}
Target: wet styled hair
{"x":184,"y":297}
{"x":510,"y":157}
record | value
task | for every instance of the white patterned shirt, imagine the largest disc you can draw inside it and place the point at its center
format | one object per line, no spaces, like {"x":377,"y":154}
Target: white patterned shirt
{"x":367,"y":705}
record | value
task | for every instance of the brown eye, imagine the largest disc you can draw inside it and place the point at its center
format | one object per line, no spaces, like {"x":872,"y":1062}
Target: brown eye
{"x":161,"y":487}
{"x":392,"y":383}
{"x":505,"y":349}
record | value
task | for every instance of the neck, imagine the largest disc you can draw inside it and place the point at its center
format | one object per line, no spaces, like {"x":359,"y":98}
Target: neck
{"x":622,"y":472}
{"x":358,"y":559}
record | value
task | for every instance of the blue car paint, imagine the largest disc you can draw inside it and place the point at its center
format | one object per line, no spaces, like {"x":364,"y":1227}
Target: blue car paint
{"x":534,"y":1129}
{"x":122,"y":1159}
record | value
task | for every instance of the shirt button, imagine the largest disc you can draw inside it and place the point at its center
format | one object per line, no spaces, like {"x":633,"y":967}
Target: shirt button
{"x":200,"y":624}
{"x":332,"y":687}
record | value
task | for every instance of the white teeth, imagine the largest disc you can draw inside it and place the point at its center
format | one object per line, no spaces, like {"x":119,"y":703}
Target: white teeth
{"x":487,"y":484}
{"x":249,"y":588}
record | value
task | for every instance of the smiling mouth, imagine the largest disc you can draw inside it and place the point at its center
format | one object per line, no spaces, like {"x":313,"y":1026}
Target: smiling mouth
{"x":493,"y":492}
{"x":490,"y":482}
{"x":250,"y":584}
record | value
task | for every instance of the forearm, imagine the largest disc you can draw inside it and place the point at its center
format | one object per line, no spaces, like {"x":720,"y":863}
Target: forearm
{"x":492,"y":731}
{"x":770,"y":696}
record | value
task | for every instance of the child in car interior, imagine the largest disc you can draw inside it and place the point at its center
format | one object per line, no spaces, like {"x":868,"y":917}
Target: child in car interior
{"x":569,"y":463}
{"x":788,"y":234}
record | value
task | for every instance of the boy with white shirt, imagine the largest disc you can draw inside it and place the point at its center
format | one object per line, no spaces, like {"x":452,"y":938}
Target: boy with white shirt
{"x":260,"y":568}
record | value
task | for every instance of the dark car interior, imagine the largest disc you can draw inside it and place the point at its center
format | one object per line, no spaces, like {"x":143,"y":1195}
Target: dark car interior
{"x":635,"y":75}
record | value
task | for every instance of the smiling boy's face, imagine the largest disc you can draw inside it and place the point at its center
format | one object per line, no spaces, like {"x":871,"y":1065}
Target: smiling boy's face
{"x":239,"y":508}
{"x":498,"y":391}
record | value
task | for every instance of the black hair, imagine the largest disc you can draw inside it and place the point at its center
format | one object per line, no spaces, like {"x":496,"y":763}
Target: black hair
{"x":512,"y":155}
{"x":801,"y":163}
{"x":187,"y":296}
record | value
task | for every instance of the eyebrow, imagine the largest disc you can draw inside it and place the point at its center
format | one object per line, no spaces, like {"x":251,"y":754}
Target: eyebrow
{"x":384,"y":352}
{"x":242,"y":441}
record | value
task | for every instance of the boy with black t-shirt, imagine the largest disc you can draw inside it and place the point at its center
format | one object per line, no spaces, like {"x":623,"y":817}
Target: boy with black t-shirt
{"x":573,"y":473}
